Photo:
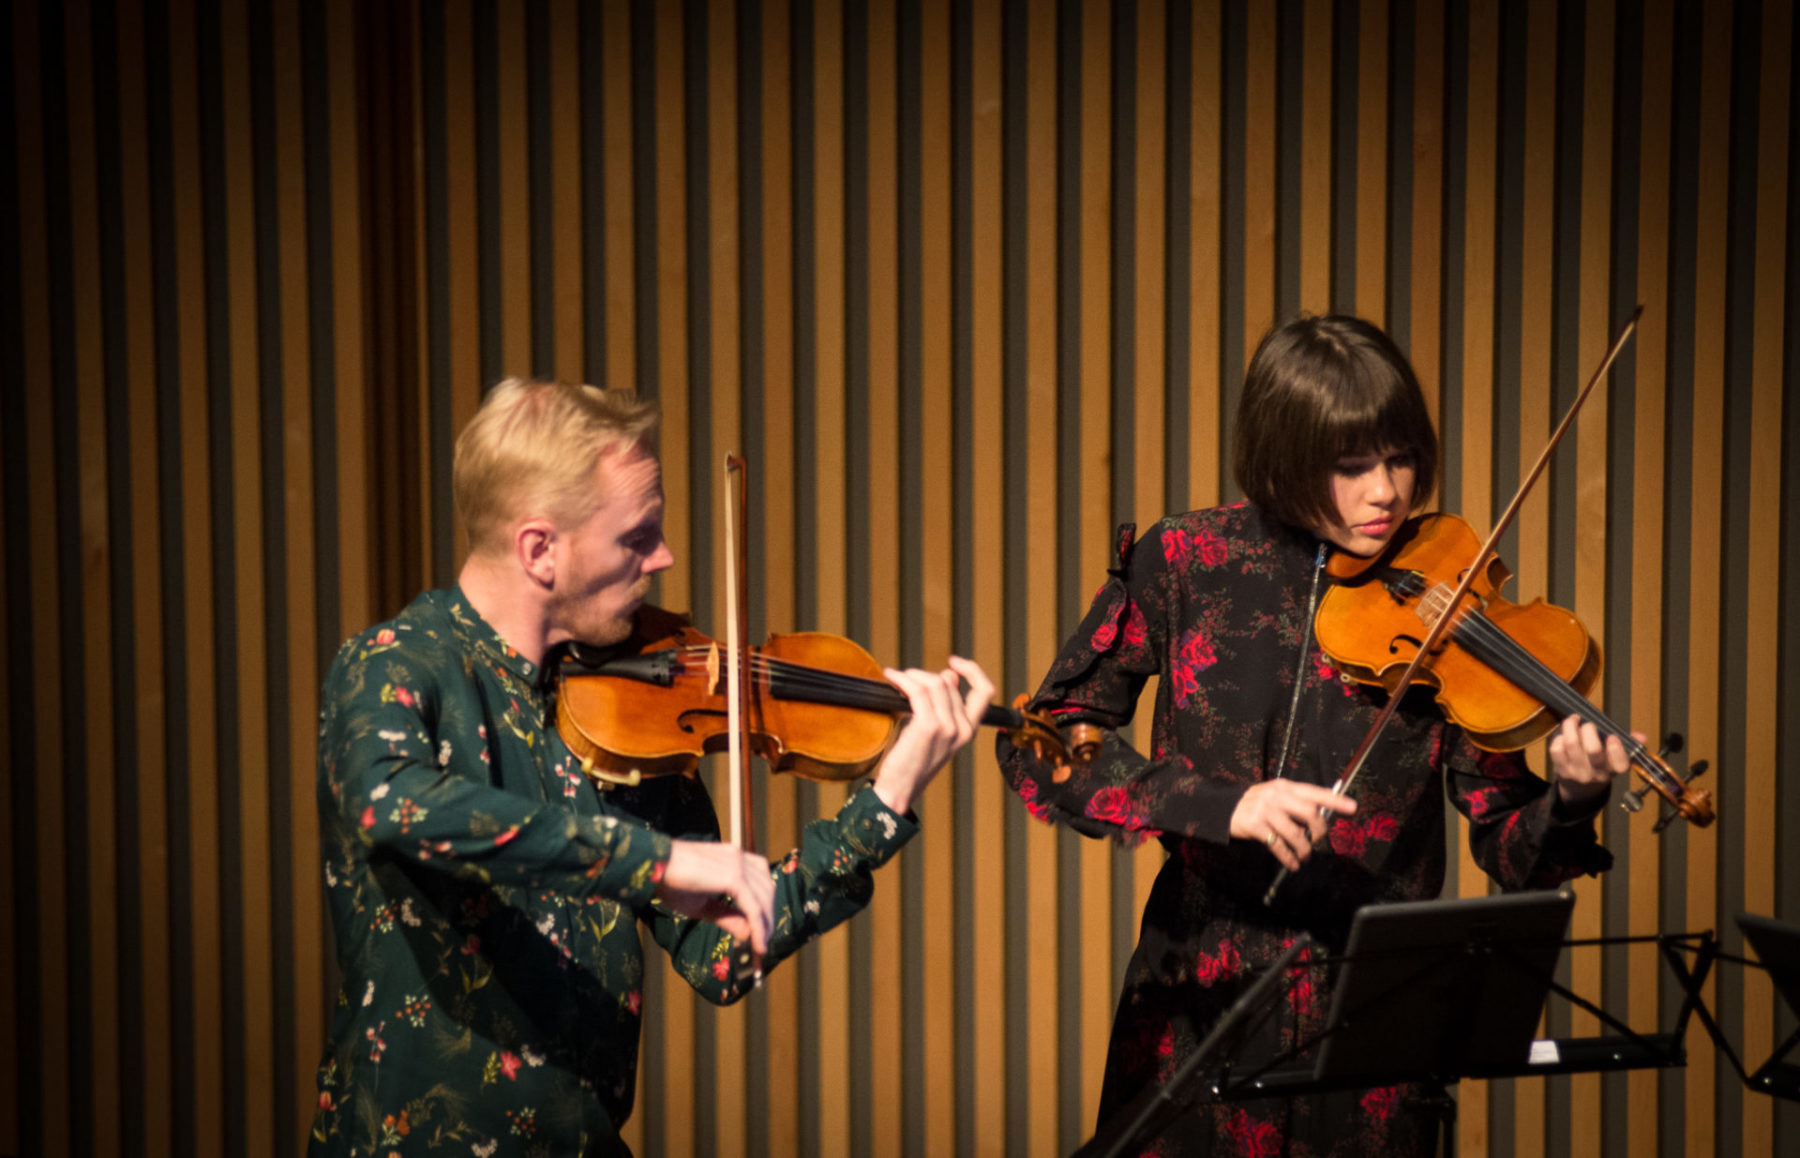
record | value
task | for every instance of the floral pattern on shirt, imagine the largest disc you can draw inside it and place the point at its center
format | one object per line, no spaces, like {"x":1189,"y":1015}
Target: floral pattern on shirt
{"x":486,"y":898}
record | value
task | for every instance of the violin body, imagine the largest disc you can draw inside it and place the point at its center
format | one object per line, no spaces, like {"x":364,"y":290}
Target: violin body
{"x":1372,"y":633}
{"x":665,"y":705}
{"x":1506,"y":673}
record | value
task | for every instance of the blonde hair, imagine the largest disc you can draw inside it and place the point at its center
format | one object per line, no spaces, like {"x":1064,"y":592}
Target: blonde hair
{"x":532,"y":449}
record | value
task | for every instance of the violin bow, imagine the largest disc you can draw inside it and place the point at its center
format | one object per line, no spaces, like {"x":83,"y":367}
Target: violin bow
{"x":737,"y":644}
{"x":1436,"y":634}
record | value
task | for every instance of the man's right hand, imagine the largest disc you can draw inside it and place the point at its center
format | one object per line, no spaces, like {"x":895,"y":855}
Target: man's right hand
{"x":721,"y":883}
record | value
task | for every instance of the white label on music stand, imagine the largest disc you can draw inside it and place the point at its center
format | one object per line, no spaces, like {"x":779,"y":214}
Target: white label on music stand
{"x":1544,"y":1053}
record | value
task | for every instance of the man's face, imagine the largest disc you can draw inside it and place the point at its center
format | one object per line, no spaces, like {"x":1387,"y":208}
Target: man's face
{"x":604,"y":564}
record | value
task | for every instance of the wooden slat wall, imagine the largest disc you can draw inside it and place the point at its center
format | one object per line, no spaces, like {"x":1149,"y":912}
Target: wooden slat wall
{"x":970,"y":281}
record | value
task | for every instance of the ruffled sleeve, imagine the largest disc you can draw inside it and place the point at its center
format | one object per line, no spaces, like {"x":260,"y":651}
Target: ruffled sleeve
{"x":1096,"y":679}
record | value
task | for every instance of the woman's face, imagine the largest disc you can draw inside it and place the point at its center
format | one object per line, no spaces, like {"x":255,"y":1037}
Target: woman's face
{"x":1373,"y":496}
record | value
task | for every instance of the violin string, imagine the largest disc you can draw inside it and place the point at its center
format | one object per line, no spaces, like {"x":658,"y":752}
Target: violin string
{"x":1506,"y":655}
{"x":793,"y":681}
{"x":798,"y":681}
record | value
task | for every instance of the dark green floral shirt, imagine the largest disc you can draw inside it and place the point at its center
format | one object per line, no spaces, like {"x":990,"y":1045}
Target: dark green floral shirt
{"x":486,"y":896}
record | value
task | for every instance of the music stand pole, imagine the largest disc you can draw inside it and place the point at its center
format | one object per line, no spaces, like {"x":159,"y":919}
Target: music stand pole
{"x":1167,"y":1101}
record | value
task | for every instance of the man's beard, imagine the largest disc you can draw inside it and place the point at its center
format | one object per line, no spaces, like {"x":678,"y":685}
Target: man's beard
{"x":608,"y":630}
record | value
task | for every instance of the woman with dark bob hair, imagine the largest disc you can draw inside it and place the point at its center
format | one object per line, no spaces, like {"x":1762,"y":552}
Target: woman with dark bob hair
{"x":1334,"y":449}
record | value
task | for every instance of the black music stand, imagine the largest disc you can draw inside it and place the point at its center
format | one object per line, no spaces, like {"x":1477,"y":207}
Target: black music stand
{"x":1467,"y":979}
{"x":1777,"y":947}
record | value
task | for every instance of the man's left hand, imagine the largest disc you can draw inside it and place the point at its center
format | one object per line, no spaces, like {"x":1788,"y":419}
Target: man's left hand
{"x":943,"y":720}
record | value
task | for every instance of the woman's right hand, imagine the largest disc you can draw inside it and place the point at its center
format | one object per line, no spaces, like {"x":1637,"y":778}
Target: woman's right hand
{"x":1284,"y":815}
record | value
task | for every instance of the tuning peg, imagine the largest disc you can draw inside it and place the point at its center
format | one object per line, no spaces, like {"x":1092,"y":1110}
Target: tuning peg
{"x":1633,"y":801}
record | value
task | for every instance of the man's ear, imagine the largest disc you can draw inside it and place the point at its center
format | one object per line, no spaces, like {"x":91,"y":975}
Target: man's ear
{"x":535,"y":543}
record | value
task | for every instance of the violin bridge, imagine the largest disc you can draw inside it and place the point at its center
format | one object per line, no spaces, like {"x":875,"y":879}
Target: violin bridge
{"x":715,"y":672}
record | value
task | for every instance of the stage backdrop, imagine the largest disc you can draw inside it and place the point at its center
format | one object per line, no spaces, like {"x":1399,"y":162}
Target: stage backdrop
{"x":968,"y":283}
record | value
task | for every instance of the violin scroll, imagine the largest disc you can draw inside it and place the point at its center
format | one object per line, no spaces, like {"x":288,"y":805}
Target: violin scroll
{"x":1691,"y":804}
{"x":1034,"y":732}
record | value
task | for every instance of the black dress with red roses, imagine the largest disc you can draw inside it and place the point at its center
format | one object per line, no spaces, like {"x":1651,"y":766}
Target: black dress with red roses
{"x":1214,"y":602}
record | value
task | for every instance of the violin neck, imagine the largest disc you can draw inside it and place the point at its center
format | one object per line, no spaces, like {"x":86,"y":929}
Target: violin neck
{"x":809,"y":685}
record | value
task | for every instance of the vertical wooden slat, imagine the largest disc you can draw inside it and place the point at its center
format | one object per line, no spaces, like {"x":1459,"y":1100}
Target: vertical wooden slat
{"x":354,"y":583}
{"x":512,"y":163}
{"x":149,"y":876}
{"x":354,"y":446}
{"x":677,"y":1112}
{"x":299,"y":553}
{"x":829,"y":420}
{"x":1475,"y":451}
{"x":887,"y":1129}
{"x":429,"y":394}
{"x":1043,"y":1035}
{"x":1149,"y":502}
{"x":779,"y":806}
{"x":12,"y":888}
{"x":988,"y":598}
{"x":1096,"y":295}
{"x":1643,"y":970}
{"x":1095,"y":924}
{"x":1706,"y":510}
{"x":14,"y":712}
{"x":464,"y":258}
{"x":938,"y":894}
{"x":1097,"y":501}
{"x":1763,"y":567}
{"x":252,"y":896}
{"x":1315,"y":158}
{"x":1591,"y":498}
{"x":1372,"y":161}
{"x":96,"y":793}
{"x":197,"y":546}
{"x":1205,"y":261}
{"x":730,"y":1042}
{"x":1093,"y":529}
{"x":1259,"y":174}
{"x":568,"y":307}
{"x":1149,"y":498}
{"x":620,"y":359}
{"x":619,"y":226}
{"x":1536,"y":315}
{"x":566,"y":191}
{"x":50,"y":995}
{"x":1427,"y":149}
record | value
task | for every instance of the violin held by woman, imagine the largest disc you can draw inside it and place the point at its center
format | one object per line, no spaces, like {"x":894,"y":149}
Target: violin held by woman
{"x":1255,"y":728}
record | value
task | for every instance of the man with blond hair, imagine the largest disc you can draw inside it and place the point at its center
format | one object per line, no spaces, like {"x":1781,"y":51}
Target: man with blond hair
{"x":485,"y":892}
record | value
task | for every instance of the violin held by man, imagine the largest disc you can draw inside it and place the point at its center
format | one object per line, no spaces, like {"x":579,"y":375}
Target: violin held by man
{"x":486,"y":893}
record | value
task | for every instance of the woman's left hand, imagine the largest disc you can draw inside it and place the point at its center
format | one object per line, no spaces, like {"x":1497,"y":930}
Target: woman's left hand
{"x":1582,"y":766}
